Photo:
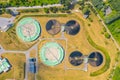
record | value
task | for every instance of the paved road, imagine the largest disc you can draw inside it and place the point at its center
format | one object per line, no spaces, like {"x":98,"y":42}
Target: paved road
{"x":36,"y":48}
{"x":1,"y":50}
{"x":27,"y":65}
{"x":12,"y":18}
{"x":34,"y":7}
{"x":11,"y":51}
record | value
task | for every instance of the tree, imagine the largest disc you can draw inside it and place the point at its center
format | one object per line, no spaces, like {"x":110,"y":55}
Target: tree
{"x":54,"y":9}
{"x":0,"y":11}
{"x":62,"y":10}
{"x":3,"y":10}
{"x":98,"y":4}
{"x":86,"y":10}
{"x":81,"y":2}
{"x":67,"y":4}
{"x":107,"y":35}
{"x":46,"y":10}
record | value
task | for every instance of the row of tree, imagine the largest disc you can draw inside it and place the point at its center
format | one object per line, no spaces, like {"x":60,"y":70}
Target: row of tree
{"x":98,"y":4}
{"x":56,"y":9}
{"x":18,"y":3}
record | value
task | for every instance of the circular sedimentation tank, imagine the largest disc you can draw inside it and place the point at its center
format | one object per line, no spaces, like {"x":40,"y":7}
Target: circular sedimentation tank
{"x":72,"y":27}
{"x":75,"y":58}
{"x":28,"y":29}
{"x":95,"y":59}
{"x":53,"y":27}
{"x":51,"y":54}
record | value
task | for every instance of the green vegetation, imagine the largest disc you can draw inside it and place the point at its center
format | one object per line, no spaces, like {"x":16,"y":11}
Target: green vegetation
{"x":98,"y":4}
{"x":107,"y":58}
{"x":81,"y":3}
{"x":67,"y":4}
{"x":29,"y":2}
{"x":90,"y":19}
{"x":115,"y":29}
{"x":115,"y":4}
{"x":101,"y":7}
{"x":104,"y":29}
{"x":116,"y":75}
{"x":29,"y":10}
{"x":86,"y":10}
{"x":116,"y":71}
{"x":54,"y":9}
{"x":111,"y":18}
{"x":107,"y":35}
{"x":41,"y":15}
{"x":46,"y":10}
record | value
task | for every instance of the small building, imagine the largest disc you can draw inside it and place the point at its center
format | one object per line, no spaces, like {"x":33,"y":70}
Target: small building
{"x":32,"y":66}
{"x":108,"y":10}
{"x":4,"y":65}
{"x":5,"y":24}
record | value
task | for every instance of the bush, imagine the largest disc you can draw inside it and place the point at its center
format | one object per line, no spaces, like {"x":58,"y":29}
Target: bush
{"x":90,"y":19}
{"x":30,"y":10}
{"x":115,"y":4}
{"x":107,"y":35}
{"x":0,"y":11}
{"x":98,"y":4}
{"x":104,"y":29}
{"x":62,"y":10}
{"x":54,"y":9}
{"x":86,"y":10}
{"x":89,"y":24}
{"x":46,"y":10}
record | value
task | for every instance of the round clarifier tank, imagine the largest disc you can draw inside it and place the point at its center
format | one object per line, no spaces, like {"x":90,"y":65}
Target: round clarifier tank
{"x":51,"y":54}
{"x":95,"y":59}
{"x":53,"y":27}
{"x":72,"y":27}
{"x":28,"y":29}
{"x":75,"y":58}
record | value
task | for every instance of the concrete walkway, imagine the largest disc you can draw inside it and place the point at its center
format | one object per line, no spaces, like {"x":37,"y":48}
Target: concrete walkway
{"x":1,"y":50}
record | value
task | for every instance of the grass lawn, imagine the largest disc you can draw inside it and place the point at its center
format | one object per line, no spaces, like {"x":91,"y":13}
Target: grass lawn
{"x":116,"y":75}
{"x":94,"y":31}
{"x":10,"y":41}
{"x":78,"y":42}
{"x":115,"y":30}
{"x":107,"y":58}
{"x":17,"y":71}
